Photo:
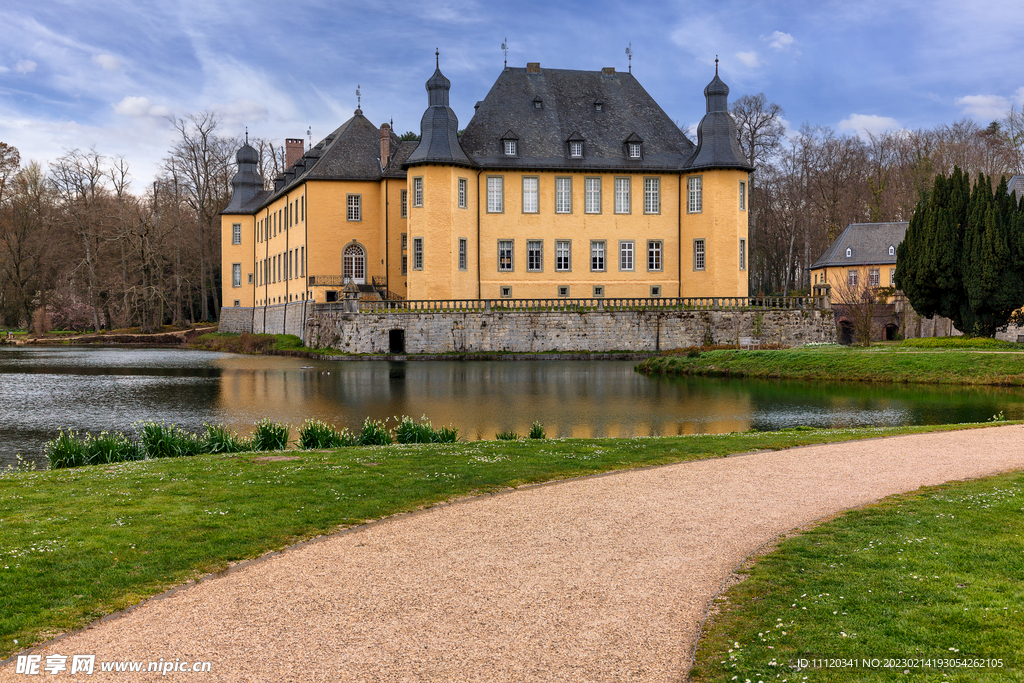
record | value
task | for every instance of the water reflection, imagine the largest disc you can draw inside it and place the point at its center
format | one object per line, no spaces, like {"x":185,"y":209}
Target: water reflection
{"x":45,"y":389}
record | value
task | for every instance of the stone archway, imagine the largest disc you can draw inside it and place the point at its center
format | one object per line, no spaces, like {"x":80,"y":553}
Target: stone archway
{"x":353,"y":263}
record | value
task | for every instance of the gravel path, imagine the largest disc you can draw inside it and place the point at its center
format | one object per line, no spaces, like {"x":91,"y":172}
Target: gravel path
{"x":598,"y":579}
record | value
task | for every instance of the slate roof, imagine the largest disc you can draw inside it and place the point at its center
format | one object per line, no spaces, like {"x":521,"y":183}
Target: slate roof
{"x":1016,"y":187}
{"x":247,"y":183}
{"x":870,"y":243}
{"x":568,"y":99}
{"x":717,"y":145}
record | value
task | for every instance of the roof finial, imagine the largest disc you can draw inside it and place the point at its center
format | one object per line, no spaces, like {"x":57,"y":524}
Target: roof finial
{"x":629,"y":52}
{"x":309,"y":134}
{"x":359,"y":100}
{"x":716,"y":65}
{"x":437,"y":57}
{"x":504,"y":47}
{"x":247,"y":135}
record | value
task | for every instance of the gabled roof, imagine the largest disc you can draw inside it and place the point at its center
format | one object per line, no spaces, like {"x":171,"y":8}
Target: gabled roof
{"x":567,"y":106}
{"x":1016,"y":187}
{"x":869,"y":244}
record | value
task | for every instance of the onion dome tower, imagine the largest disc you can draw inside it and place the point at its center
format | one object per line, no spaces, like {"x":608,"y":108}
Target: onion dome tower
{"x":717,"y":146}
{"x":247,"y":182}
{"x":439,"y":127}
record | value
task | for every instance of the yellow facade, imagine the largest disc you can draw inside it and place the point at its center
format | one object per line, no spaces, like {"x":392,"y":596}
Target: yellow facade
{"x":842,"y":284}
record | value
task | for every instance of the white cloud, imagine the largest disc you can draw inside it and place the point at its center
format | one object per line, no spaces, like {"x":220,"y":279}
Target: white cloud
{"x":748,"y":59}
{"x":25,"y":66}
{"x":107,"y":62}
{"x":862,"y":124}
{"x":137,"y":107}
{"x":986,"y":107}
{"x":783,"y":42}
{"x":1018,"y":97}
{"x":241,"y":112}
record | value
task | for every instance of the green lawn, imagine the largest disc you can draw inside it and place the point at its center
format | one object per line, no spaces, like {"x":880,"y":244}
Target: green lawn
{"x":79,"y":543}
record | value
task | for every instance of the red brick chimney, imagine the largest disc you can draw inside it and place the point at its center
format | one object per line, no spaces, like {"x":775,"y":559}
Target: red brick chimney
{"x":293,"y":148}
{"x":385,"y":145}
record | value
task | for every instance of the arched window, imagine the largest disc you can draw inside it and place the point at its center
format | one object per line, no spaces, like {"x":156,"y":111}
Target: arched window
{"x":354,"y":263}
{"x":849,"y":252}
{"x":892,"y":250}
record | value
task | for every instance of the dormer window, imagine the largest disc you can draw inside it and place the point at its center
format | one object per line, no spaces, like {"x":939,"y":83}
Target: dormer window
{"x":634,"y":150}
{"x":599,"y":106}
{"x":538,"y":103}
{"x":576,"y":149}
{"x":892,"y":250}
{"x":510,"y":143}
{"x":849,"y":252}
{"x":510,"y":148}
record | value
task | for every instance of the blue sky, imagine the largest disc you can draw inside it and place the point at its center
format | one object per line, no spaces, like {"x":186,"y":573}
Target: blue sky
{"x":77,"y":74}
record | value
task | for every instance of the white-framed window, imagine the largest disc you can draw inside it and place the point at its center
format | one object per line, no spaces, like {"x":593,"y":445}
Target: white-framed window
{"x":535,"y":255}
{"x":874,"y":277}
{"x":695,"y":194}
{"x":592,"y":195}
{"x":353,"y":260}
{"x":849,"y":252}
{"x":634,"y":150}
{"x":463,"y":253}
{"x":506,"y":255}
{"x":654,"y":255}
{"x":576,"y":149}
{"x":652,"y":195}
{"x":463,"y":193}
{"x":531,"y":204}
{"x":236,"y":274}
{"x":743,"y":254}
{"x":236,"y":233}
{"x":510,"y":148}
{"x":417,"y":191}
{"x":626,"y":255}
{"x":743,"y":195}
{"x":851,"y":278}
{"x":698,"y":255}
{"x":495,"y":194}
{"x":563,"y":255}
{"x":563,"y":195}
{"x":404,"y":194}
{"x":892,"y":250}
{"x":355,"y":207}
{"x":597,"y":255}
{"x":892,"y":277}
{"x":622,"y":195}
{"x":417,"y":253}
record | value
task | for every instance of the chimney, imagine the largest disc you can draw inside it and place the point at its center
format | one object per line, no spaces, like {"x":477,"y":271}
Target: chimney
{"x":385,"y":145}
{"x":293,"y":148}
{"x":608,"y":71}
{"x":533,"y":67}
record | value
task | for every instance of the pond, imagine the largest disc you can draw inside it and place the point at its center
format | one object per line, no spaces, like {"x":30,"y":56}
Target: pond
{"x":46,"y":389}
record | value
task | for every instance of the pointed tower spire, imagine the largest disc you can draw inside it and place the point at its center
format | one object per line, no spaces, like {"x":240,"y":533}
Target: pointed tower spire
{"x":717,"y":146}
{"x":439,"y":139}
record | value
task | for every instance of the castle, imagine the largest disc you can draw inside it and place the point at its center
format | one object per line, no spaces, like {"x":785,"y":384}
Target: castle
{"x":564,"y":184}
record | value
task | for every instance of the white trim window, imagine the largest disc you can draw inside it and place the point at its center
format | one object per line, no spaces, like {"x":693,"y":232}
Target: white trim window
{"x":699,"y":254}
{"x":463,"y":253}
{"x":535,"y":256}
{"x":654,"y":249}
{"x":236,"y":274}
{"x":851,"y":278}
{"x":463,"y":193}
{"x":417,"y":253}
{"x":622,"y":195}
{"x":531,"y":191}
{"x":563,"y":195}
{"x":563,"y":255}
{"x":355,"y":207}
{"x":404,"y":194}
{"x":236,"y":233}
{"x":506,"y":256}
{"x":597,"y":255}
{"x":652,"y":195}
{"x":743,"y":254}
{"x":695,"y":194}
{"x":495,"y":194}
{"x":417,"y":191}
{"x":592,"y":195}
{"x":626,"y":255}
{"x":510,"y":148}
{"x":874,"y":277}
{"x":892,"y":277}
{"x":743,"y":195}
{"x":576,"y":150}
{"x":634,"y":150}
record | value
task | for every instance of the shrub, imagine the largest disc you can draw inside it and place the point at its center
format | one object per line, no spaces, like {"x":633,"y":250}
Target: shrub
{"x":269,"y":436}
{"x":448,"y":434}
{"x":373,"y":433}
{"x":71,"y":450}
{"x":65,"y":451}
{"x":316,"y":434}
{"x":219,"y":440}
{"x":409,"y":431}
{"x":506,"y":436}
{"x":162,"y":440}
{"x":537,"y":431}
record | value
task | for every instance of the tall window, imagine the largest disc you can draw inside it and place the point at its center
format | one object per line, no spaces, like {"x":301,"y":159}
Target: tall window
{"x":622,"y":195}
{"x":597,"y":253}
{"x":530,"y":191}
{"x":892,"y":277}
{"x":592,"y":187}
{"x":505,"y":255}
{"x":626,"y":255}
{"x":743,"y":254}
{"x":874,"y":278}
{"x":417,"y":253}
{"x":463,"y":199}
{"x":654,"y":255}
{"x":405,"y":203}
{"x":405,"y":241}
{"x":302,"y":262}
{"x":698,"y":254}
{"x":354,"y":264}
{"x":563,"y":195}
{"x":851,"y":278}
{"x":743,"y":196}
{"x":694,"y":194}
{"x":535,"y":255}
{"x":563,"y":255}
{"x":236,"y":274}
{"x":417,"y":191}
{"x":302,"y":208}
{"x":652,"y":195}
{"x":405,"y":264}
{"x":463,"y":253}
{"x":495,"y":194}
{"x":355,"y":207}
{"x":236,"y":233}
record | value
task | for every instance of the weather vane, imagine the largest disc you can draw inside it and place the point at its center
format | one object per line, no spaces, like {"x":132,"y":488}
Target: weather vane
{"x":629,"y":53}
{"x":309,"y":134}
{"x":437,"y":57}
{"x":359,"y":98}
{"x":247,"y":135}
{"x":504,"y":48}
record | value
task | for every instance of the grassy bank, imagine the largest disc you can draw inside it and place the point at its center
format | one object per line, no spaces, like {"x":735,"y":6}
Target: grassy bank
{"x":904,"y":362}
{"x":922,"y":587}
{"x":250,"y":343}
{"x":76,"y":544}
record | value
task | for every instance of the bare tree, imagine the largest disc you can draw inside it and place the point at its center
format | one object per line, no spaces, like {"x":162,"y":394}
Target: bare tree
{"x":758,"y":128}
{"x":272,"y":160}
